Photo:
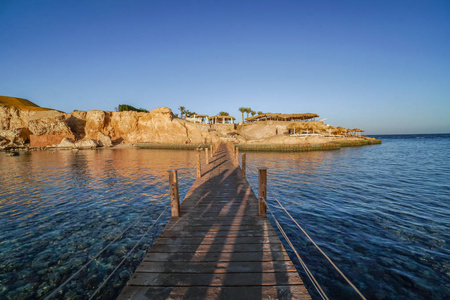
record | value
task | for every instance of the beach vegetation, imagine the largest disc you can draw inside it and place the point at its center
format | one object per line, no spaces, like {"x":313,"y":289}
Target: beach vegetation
{"x":182,"y":111}
{"x":242,"y":110}
{"x":126,"y":107}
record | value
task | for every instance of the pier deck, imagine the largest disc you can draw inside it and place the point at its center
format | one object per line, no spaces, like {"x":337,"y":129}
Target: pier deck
{"x":219,"y":248}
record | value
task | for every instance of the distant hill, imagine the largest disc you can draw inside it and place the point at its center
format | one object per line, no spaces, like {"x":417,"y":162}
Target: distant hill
{"x":20,"y":103}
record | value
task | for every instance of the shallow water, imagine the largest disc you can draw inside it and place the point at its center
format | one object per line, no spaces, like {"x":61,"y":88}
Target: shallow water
{"x":59,"y":209}
{"x":380,"y":212}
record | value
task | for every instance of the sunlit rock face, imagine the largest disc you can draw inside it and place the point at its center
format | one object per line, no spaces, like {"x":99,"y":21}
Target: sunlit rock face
{"x":105,"y":128}
{"x":18,"y":126}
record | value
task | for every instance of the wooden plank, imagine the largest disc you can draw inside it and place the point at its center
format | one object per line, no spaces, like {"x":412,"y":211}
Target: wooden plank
{"x":297,"y":292}
{"x":218,"y":227}
{"x":213,"y":279}
{"x":215,"y":267}
{"x":216,"y":248}
{"x":258,"y":256}
{"x":218,"y":240}
{"x":208,"y":221}
{"x":217,"y":233}
{"x":219,"y":248}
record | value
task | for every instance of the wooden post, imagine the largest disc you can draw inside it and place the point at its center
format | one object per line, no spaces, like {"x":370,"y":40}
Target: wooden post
{"x":174,"y":196}
{"x":243,"y":164}
{"x":199,"y":170}
{"x":206,"y":156}
{"x":211,"y":148}
{"x":262,"y":191}
{"x":237,"y":154}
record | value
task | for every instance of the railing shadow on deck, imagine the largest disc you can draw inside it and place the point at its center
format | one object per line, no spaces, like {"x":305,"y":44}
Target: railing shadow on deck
{"x":216,"y":243}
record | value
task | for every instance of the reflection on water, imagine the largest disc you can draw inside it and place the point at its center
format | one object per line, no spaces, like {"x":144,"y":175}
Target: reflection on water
{"x":59,"y":209}
{"x":380,"y":212}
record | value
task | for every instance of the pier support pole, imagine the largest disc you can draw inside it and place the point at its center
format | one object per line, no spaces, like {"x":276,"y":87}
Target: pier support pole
{"x":174,"y":196}
{"x":199,"y":170}
{"x":206,"y":156}
{"x":243,"y":164}
{"x":262,"y":191}
{"x":237,"y":155}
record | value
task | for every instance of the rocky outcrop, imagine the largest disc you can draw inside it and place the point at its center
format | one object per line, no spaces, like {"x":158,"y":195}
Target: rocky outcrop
{"x":103,"y":140}
{"x":66,"y":143}
{"x":37,"y":127}
{"x":44,"y":140}
{"x":86,"y":144}
{"x":102,"y":128}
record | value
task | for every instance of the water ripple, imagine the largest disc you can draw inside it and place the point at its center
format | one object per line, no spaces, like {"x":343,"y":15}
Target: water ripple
{"x":381,"y":213}
{"x":57,"y":210}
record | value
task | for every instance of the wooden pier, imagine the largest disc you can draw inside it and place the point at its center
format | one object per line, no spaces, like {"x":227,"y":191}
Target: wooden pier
{"x":219,"y":247}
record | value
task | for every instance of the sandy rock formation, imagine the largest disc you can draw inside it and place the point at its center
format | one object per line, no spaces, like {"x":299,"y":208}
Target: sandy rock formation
{"x":103,"y":140}
{"x":3,"y":141}
{"x":38,"y":127}
{"x":86,"y":144}
{"x":46,"y":127}
{"x":77,"y":122}
{"x":66,"y":143}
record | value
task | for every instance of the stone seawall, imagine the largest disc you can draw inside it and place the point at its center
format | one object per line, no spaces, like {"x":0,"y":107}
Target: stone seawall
{"x":305,"y":147}
{"x":171,"y":146}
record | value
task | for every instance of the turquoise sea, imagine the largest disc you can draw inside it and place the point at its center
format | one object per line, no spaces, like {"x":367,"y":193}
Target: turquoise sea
{"x":381,"y":213}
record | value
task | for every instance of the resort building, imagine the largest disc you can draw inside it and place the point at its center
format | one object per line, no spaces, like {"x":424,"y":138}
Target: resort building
{"x":201,"y":119}
{"x":221,"y":120}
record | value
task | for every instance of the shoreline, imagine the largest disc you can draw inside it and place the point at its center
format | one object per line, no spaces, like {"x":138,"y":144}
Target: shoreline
{"x":300,"y":147}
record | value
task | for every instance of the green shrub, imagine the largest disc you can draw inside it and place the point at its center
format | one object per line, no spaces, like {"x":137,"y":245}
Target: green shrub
{"x":126,"y":107}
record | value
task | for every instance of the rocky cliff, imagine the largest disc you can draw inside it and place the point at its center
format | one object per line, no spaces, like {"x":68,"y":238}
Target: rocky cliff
{"x":47,"y":127}
{"x":24,"y":123}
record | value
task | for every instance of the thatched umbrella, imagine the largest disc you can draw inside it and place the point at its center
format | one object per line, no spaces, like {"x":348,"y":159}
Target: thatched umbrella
{"x":311,"y":126}
{"x":296,"y":127}
{"x":283,"y":117}
{"x":357,"y":130}
{"x":331,"y":129}
{"x":341,"y":130}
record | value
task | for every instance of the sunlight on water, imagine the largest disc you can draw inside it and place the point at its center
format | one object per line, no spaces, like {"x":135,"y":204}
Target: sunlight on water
{"x":59,"y":209}
{"x":381,"y":213}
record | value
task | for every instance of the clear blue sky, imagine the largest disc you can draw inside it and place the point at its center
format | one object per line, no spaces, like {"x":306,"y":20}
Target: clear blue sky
{"x":383,"y":66}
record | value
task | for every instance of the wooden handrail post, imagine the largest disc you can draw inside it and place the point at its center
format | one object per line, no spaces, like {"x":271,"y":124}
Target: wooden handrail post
{"x":206,"y":156}
{"x":199,"y":170}
{"x":262,"y":191}
{"x":174,"y":196}
{"x":211,"y":148}
{"x":243,"y":164}
{"x":237,"y":154}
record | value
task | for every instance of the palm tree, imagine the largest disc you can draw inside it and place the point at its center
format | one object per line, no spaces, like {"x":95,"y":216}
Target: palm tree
{"x":259,"y":112}
{"x":182,"y":110}
{"x":242,"y":110}
{"x":223,"y":113}
{"x":248,"y":110}
{"x":189,"y":113}
{"x":253,"y":113}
